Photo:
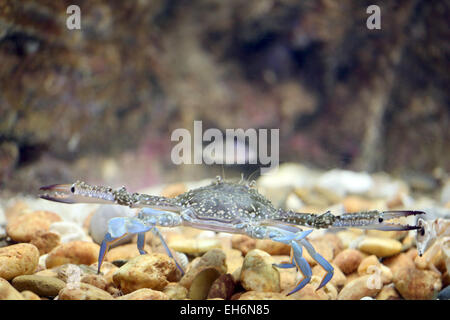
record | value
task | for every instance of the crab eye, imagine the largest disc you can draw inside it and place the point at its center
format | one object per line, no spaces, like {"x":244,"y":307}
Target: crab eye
{"x":72,"y":189}
{"x":380,"y":220}
{"x":422,"y":232}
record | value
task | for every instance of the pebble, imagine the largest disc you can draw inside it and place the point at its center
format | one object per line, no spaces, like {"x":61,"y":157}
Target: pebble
{"x":348,"y":260}
{"x":202,"y":283}
{"x":153,"y":271}
{"x":273,"y":247}
{"x":42,"y":286}
{"x":243,"y":243}
{"x":76,"y":252}
{"x":125,"y":252}
{"x":234,"y":259}
{"x":83,"y":291}
{"x":8,"y":292}
{"x":399,"y":262}
{"x":28,"y":295}
{"x":416,"y":284}
{"x":327,"y":292}
{"x":308,"y":292}
{"x":194,"y":246}
{"x":258,"y":273}
{"x":97,"y":280}
{"x":144,"y":294}
{"x":98,"y":226}
{"x":175,"y":291}
{"x":69,"y":231}
{"x":444,"y":294}
{"x":24,"y":227}
{"x":222,"y":287}
{"x":18,"y":259}
{"x":214,"y":258}
{"x":381,"y":247}
{"x":323,"y":247}
{"x":343,"y":182}
{"x":388,"y":293}
{"x":256,"y":295}
{"x":45,"y":241}
{"x":359,"y":288}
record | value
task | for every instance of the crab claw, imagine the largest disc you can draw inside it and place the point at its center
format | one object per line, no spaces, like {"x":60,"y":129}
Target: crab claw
{"x":388,"y":215}
{"x":59,"y":193}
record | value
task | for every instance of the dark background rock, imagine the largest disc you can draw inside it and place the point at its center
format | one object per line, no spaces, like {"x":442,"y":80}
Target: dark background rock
{"x":100,"y":103}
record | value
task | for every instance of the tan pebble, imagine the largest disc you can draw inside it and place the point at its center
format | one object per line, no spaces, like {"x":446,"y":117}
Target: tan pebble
{"x":258,"y":273}
{"x":202,"y":283}
{"x":29,"y":295}
{"x":308,"y":292}
{"x":125,"y":252}
{"x":25,"y":227}
{"x":243,"y":243}
{"x":323,"y":248}
{"x":273,"y":247}
{"x":18,"y":259}
{"x":222,"y":287}
{"x":83,"y":291}
{"x":96,"y":280}
{"x":339,"y":279}
{"x":75,"y":252}
{"x":334,"y":242}
{"x":42,"y":286}
{"x":194,"y":246}
{"x":416,"y":284}
{"x":254,"y":295}
{"x":396,"y":235}
{"x":350,"y":277}
{"x":400,"y":261}
{"x":359,"y":288}
{"x":234,"y":259}
{"x":152,"y":271}
{"x":366,"y":263}
{"x":16,"y":210}
{"x":175,"y":291}
{"x":144,"y":294}
{"x":237,"y":274}
{"x":388,"y":293}
{"x":214,"y":258}
{"x":348,"y":260}
{"x":327,"y":292}
{"x":288,"y":276}
{"x":381,"y":247}
{"x":45,"y":241}
{"x":173,"y":190}
{"x":408,"y":243}
{"x":107,"y":270}
{"x":347,"y":237}
{"x":7,"y":291}
{"x":47,"y":273}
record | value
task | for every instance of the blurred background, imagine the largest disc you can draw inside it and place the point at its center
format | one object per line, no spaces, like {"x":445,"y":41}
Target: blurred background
{"x":100,"y":103}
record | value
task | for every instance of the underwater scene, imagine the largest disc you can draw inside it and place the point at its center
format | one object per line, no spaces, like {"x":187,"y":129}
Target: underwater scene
{"x":224,"y":150}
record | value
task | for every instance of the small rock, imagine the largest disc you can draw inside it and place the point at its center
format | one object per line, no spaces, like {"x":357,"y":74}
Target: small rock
{"x":256,"y":295}
{"x":444,"y":294}
{"x":348,"y":260}
{"x":359,"y":288}
{"x":273,"y":247}
{"x":398,"y":262}
{"x":18,"y":259}
{"x":327,"y":292}
{"x":175,"y":291}
{"x":96,"y":280}
{"x":342,"y":182}
{"x":42,"y":286}
{"x":243,"y":243}
{"x":388,"y":293}
{"x":223,"y":287}
{"x":381,"y":247}
{"x":258,"y":273}
{"x":83,"y":291}
{"x":144,"y":294}
{"x":234,"y":259}
{"x":202,"y":283}
{"x":125,"y":252}
{"x":76,"y":252}
{"x":72,"y":273}
{"x":308,"y":292}
{"x":28,"y":295}
{"x":99,"y":221}
{"x":69,"y":231}
{"x":214,"y":258}
{"x":323,"y":248}
{"x":416,"y":284}
{"x":349,"y":238}
{"x":7,"y":291}
{"x":45,"y":241}
{"x":25,"y":227}
{"x":194,"y":246}
{"x":153,"y":271}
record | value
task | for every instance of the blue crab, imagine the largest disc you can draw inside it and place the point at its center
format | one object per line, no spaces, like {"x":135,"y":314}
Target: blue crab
{"x":223,"y":207}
